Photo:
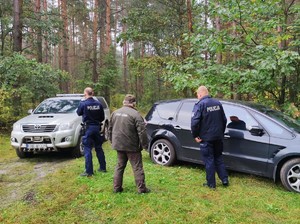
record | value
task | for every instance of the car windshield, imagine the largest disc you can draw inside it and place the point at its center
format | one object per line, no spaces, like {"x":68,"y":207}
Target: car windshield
{"x":284,"y":119}
{"x":57,"y":106}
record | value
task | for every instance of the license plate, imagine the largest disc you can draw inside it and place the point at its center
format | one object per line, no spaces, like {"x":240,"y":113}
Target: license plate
{"x":37,"y":146}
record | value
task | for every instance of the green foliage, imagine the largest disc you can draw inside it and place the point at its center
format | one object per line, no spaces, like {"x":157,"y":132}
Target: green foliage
{"x":116,"y":101}
{"x":147,"y":76}
{"x":160,"y":24}
{"x":109,"y":74}
{"x":83,"y":74}
{"x":257,"y":61}
{"x":23,"y":84}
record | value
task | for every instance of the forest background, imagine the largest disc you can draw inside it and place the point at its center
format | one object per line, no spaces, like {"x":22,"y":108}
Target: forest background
{"x":155,"y":49}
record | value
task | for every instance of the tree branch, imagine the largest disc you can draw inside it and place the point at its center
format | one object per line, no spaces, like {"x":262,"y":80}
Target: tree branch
{"x":240,"y":22}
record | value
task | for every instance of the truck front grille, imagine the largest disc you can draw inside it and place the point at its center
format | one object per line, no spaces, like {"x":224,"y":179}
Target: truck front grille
{"x":38,"y":128}
{"x":36,"y":139}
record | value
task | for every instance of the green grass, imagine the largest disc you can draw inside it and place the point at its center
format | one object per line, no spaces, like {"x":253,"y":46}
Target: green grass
{"x":177,"y":195}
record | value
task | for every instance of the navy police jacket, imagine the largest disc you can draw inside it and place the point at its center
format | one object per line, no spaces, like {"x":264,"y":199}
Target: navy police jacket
{"x":91,"y":111}
{"x":208,"y":119}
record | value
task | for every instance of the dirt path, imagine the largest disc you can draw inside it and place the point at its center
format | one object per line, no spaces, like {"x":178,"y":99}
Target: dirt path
{"x":19,"y":177}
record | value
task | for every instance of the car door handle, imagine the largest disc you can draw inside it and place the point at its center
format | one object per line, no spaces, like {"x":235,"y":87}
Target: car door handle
{"x":226,"y":136}
{"x":177,"y":127}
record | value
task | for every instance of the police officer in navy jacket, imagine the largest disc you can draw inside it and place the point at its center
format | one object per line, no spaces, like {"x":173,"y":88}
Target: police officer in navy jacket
{"x":208,"y":124}
{"x":92,"y":114}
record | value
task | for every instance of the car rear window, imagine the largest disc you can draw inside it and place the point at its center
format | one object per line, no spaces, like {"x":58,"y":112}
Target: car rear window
{"x":185,"y":114}
{"x":167,"y":110}
{"x":103,"y":102}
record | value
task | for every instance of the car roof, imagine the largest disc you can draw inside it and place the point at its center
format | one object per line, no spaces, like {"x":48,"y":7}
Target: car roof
{"x":78,"y":97}
{"x":65,"y":97}
{"x":248,"y":104}
{"x":71,"y":96}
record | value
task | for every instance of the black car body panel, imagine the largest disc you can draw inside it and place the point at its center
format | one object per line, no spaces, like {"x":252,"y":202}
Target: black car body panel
{"x":260,"y":146}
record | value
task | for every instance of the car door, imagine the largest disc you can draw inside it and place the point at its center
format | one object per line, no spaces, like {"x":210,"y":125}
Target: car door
{"x":190,"y":150}
{"x":244,"y":151}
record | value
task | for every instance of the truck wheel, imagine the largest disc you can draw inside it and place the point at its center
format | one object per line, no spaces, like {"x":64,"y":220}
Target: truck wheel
{"x":21,"y":154}
{"x":290,"y":175}
{"x":105,"y":132}
{"x":77,"y":151}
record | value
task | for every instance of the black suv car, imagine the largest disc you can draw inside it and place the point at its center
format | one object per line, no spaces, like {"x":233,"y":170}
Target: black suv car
{"x":257,"y":140}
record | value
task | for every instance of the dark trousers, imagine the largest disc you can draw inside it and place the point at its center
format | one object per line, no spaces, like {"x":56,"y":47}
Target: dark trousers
{"x":212,"y":156}
{"x":135,"y":159}
{"x":92,"y":137}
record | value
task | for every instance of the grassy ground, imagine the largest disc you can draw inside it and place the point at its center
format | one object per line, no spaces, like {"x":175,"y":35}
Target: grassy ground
{"x":48,"y":189}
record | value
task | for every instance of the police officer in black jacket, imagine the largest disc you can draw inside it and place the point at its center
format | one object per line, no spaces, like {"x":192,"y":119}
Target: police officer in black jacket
{"x":208,"y":124}
{"x":92,"y":114}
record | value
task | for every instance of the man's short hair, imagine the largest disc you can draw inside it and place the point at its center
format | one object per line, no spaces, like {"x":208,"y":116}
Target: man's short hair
{"x":202,"y":89}
{"x":129,"y":99}
{"x":89,"y":91}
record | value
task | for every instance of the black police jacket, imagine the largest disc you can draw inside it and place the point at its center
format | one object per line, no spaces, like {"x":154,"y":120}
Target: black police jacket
{"x":91,"y":111}
{"x":208,"y":119}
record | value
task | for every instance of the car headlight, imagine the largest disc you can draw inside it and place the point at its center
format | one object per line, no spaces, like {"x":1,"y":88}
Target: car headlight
{"x":16,"y":127}
{"x":66,"y":126}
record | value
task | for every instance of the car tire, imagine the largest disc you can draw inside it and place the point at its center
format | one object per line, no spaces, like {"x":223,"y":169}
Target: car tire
{"x":163,"y":153}
{"x":77,"y":151}
{"x":290,"y":175}
{"x":105,"y":132}
{"x":21,"y":154}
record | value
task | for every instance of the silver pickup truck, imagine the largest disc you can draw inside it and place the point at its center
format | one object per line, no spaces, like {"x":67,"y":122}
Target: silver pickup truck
{"x":53,"y":126}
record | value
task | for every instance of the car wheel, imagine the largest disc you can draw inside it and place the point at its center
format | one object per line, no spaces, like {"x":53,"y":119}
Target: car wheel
{"x":77,"y":151}
{"x":21,"y":154}
{"x":105,"y":132}
{"x":163,"y":153}
{"x":290,"y":175}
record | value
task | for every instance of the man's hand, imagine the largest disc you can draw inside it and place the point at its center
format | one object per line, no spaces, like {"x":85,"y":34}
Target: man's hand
{"x":198,"y":139}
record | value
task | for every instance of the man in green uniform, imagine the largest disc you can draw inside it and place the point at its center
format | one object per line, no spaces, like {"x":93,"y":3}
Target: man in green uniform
{"x":128,"y":136}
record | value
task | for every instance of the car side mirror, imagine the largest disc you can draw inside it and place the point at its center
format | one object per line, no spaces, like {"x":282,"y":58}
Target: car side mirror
{"x":256,"y":131}
{"x":30,"y":111}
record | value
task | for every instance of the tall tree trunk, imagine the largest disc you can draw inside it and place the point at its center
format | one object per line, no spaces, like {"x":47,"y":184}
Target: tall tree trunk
{"x":293,"y":79}
{"x":108,"y":25}
{"x":2,"y":36}
{"x":102,"y":32}
{"x":46,"y":45}
{"x":17,"y":26}
{"x":205,"y":24}
{"x":136,"y":55}
{"x":125,"y":72}
{"x":190,"y":18}
{"x":72,"y":53}
{"x":95,"y":34}
{"x":65,"y":63}
{"x":116,"y":20}
{"x":284,"y":45}
{"x":142,"y":74}
{"x":181,"y":21}
{"x":218,"y":28}
{"x":17,"y":47}
{"x":39,"y":40}
{"x":84,"y":46}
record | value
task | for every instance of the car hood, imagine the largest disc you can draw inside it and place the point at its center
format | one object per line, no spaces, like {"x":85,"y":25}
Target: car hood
{"x":49,"y":118}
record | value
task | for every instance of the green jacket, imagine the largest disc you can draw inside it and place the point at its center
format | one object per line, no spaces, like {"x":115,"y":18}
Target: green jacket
{"x":127,"y":130}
